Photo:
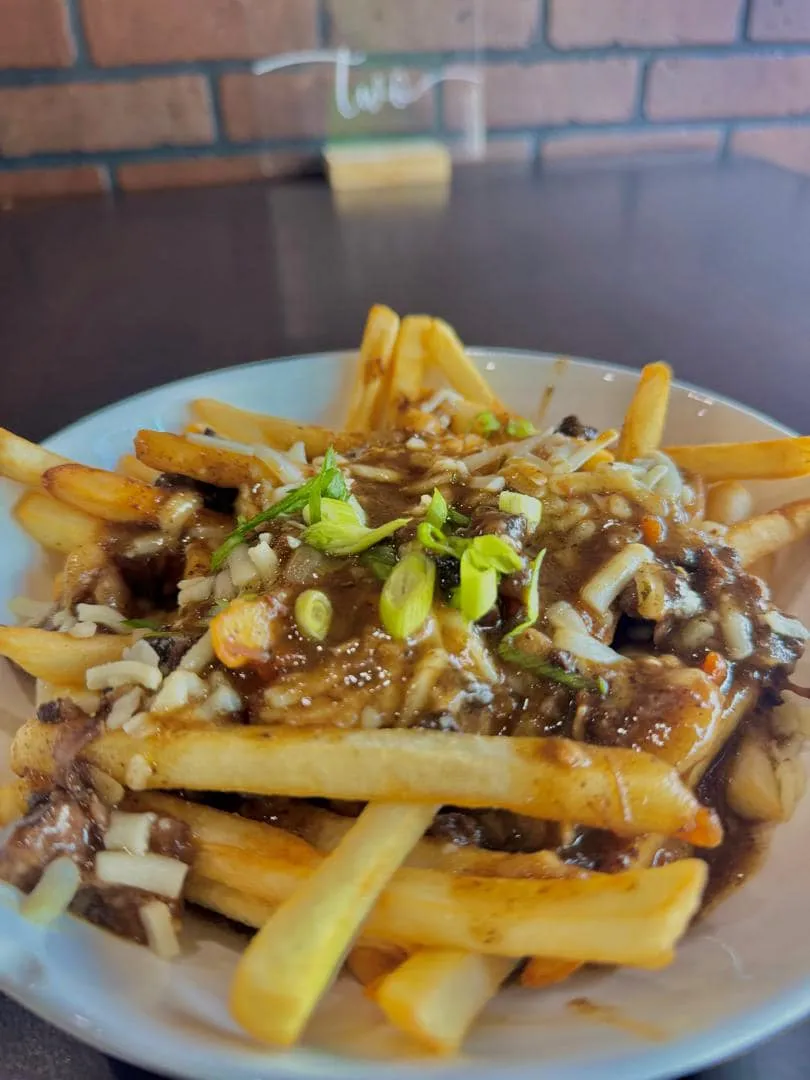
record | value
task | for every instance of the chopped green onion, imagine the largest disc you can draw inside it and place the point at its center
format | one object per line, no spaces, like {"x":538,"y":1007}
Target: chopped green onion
{"x":543,"y":669}
{"x":455,"y":517}
{"x":341,"y":538}
{"x":432,"y":538}
{"x":340,"y":513}
{"x":486,"y":423}
{"x":519,"y":428}
{"x":496,"y":553}
{"x":329,"y":482}
{"x":141,"y":624}
{"x":407,"y":595}
{"x":479,"y":587}
{"x":313,"y":614}
{"x":380,"y":560}
{"x":312,"y":512}
{"x":512,"y":502}
{"x":531,"y":597}
{"x":438,"y":510}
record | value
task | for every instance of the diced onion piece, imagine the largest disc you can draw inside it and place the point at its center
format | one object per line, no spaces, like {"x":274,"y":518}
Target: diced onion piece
{"x":512,"y":502}
{"x":222,"y":699}
{"x":563,"y":616}
{"x":577,"y":458}
{"x":737,"y":630}
{"x":286,"y":468}
{"x":407,"y":595}
{"x":224,"y":588}
{"x":32,"y":611}
{"x":585,"y":647}
{"x":158,"y":925}
{"x":53,"y":893}
{"x":313,"y":614}
{"x":179,"y":689}
{"x":103,"y":615}
{"x":487,"y":483}
{"x":123,"y":673}
{"x":241,"y":567}
{"x":137,"y":772}
{"x":143,"y":652}
{"x":652,"y":593}
{"x":129,"y":832}
{"x":610,"y":579}
{"x":479,"y":587}
{"x":124,"y":708}
{"x":176,"y":510}
{"x":152,"y":873}
{"x":199,"y":655}
{"x":298,"y":452}
{"x":139,"y":725}
{"x":194,"y":590}
{"x":265,"y":560}
{"x":786,"y":626}
{"x":83,"y":630}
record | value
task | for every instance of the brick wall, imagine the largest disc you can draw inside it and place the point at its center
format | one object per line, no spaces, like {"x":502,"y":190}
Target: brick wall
{"x":137,"y":94}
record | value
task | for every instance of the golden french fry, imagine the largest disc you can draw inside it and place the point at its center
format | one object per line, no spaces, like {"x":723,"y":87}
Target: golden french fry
{"x":242,"y":426}
{"x":435,"y":995}
{"x":497,"y":916}
{"x":623,"y":790}
{"x":55,"y":525}
{"x":407,"y":369}
{"x":104,"y":494}
{"x":128,"y":465}
{"x":25,"y":461}
{"x":646,"y":415}
{"x":58,"y":658}
{"x":634,"y":917}
{"x":772,"y":459}
{"x":446,"y":351}
{"x":210,"y":463}
{"x":290,"y":963}
{"x":376,"y":349}
{"x":767,"y":533}
{"x":371,"y":961}
{"x":541,"y":971}
{"x":13,"y":801}
{"x":240,"y":907}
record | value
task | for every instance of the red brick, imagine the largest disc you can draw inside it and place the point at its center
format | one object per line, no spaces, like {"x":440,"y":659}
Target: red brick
{"x":681,"y":89}
{"x":301,"y":103}
{"x":581,"y":91}
{"x":779,"y":20}
{"x":35,"y":33}
{"x":783,"y":145}
{"x":158,"y":31}
{"x":49,"y":183}
{"x":630,"y":146}
{"x":105,"y":116}
{"x":584,"y":23}
{"x":428,"y":26}
{"x":206,"y":172}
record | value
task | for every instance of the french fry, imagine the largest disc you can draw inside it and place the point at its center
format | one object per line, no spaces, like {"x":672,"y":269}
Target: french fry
{"x":55,"y":525}
{"x":435,"y":995}
{"x":128,"y":465}
{"x":369,"y":962}
{"x":646,"y":415}
{"x":240,"y":907}
{"x":542,"y":971}
{"x":626,"y":791}
{"x":292,"y":960}
{"x":768,"y":533}
{"x":13,"y":801}
{"x":210,"y":463}
{"x":243,"y":426}
{"x":376,"y":351}
{"x":634,"y":917}
{"x":406,"y":372}
{"x":104,"y":494}
{"x":447,"y":352}
{"x":25,"y":461}
{"x":772,"y":459}
{"x":59,"y":658}
{"x":324,"y":830}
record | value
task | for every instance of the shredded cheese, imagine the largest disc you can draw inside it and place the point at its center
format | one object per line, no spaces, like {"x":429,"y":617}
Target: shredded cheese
{"x":129,"y":832}
{"x":158,"y":926}
{"x":152,"y":873}
{"x":123,"y":673}
{"x":53,"y":893}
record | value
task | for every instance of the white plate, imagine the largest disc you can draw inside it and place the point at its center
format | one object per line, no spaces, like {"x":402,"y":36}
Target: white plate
{"x":740,"y":975}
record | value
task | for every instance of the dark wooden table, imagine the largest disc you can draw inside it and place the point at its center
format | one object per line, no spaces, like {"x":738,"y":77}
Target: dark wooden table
{"x":706,"y":267}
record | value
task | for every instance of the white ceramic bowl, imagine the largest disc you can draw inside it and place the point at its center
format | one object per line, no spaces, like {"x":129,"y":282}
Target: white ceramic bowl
{"x":739,"y":976}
